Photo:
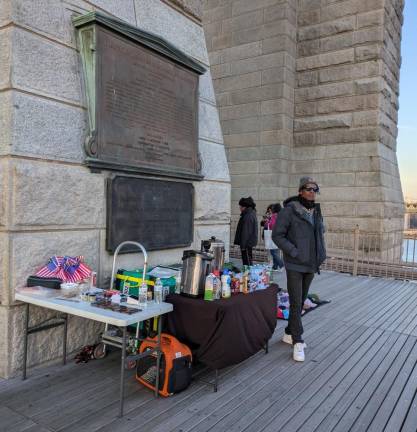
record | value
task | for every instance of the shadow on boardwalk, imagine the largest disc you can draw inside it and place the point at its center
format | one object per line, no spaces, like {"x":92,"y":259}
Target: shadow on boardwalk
{"x":359,"y":375}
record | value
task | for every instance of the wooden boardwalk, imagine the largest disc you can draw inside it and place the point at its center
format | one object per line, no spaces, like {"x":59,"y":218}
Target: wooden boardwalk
{"x":360,"y":374}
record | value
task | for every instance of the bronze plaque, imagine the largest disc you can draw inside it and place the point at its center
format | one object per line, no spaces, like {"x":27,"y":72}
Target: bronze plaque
{"x":158,"y":214}
{"x":147,"y":108}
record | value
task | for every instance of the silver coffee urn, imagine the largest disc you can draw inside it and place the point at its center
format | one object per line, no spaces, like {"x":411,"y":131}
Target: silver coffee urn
{"x":195,"y":267}
{"x":214,"y":247}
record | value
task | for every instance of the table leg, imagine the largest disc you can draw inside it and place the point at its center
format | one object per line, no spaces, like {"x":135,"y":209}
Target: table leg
{"x":158,"y":356}
{"x":216,"y":379}
{"x":64,"y":348}
{"x":122,"y":372}
{"x":25,"y":341}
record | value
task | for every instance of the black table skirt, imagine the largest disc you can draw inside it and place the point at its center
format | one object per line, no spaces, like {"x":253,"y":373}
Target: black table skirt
{"x":224,"y":332}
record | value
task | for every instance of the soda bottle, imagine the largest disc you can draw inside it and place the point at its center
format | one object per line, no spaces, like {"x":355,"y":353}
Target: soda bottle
{"x":158,"y":291}
{"x":143,"y":295}
{"x":245,"y":282}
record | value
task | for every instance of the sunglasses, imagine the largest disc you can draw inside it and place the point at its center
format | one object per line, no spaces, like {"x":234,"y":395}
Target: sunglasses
{"x":311,"y":189}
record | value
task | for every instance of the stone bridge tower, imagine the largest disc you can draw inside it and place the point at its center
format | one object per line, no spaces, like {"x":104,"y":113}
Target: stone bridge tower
{"x":310,"y":87}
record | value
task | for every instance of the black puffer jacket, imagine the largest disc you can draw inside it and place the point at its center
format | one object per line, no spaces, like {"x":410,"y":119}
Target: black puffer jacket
{"x":247,"y":229}
{"x":301,"y":241}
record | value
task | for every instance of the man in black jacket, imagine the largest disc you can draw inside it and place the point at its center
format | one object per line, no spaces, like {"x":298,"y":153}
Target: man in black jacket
{"x":299,"y":233}
{"x":247,"y":229}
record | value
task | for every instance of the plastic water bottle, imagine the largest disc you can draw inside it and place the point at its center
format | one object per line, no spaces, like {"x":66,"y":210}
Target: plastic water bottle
{"x":143,"y":296}
{"x":209,"y":287}
{"x":165,"y":292}
{"x":178,"y":283}
{"x":158,"y":291}
{"x":217,"y":285}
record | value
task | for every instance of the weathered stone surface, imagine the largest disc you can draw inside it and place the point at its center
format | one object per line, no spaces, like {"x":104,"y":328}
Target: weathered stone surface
{"x":327,"y":59}
{"x":209,"y":124}
{"x":258,"y":63}
{"x":273,"y":194}
{"x":350,"y":103}
{"x":323,"y":122}
{"x":31,"y":250}
{"x":53,"y":17}
{"x":4,"y":352}
{"x":5,"y":57}
{"x":238,"y":82}
{"x":236,"y":126}
{"x":368,"y":52}
{"x":212,"y":201}
{"x":242,"y":140}
{"x":243,"y":6}
{"x":5,"y":12}
{"x":214,"y":163}
{"x":346,"y":72}
{"x":4,"y":191}
{"x":241,"y":52}
{"x":243,"y":180}
{"x":343,"y":116}
{"x":217,"y":13}
{"x":239,"y":167}
{"x":75,"y":197}
{"x":336,"y":42}
{"x":365,"y":118}
{"x":5,"y":122}
{"x":221,"y":70}
{"x":4,"y":271}
{"x":44,"y":77}
{"x":324,"y":91}
{"x":240,"y":111}
{"x":247,"y":20}
{"x":273,"y":166}
{"x":202,"y":232}
{"x":46,"y":129}
{"x":327,"y":28}
{"x":159,"y":18}
{"x":373,"y":34}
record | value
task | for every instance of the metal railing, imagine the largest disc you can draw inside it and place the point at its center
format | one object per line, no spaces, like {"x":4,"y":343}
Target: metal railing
{"x":389,"y":255}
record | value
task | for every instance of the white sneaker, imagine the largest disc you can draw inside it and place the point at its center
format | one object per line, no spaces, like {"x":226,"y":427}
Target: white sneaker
{"x":298,"y":353}
{"x":308,"y":304}
{"x":288,"y":340}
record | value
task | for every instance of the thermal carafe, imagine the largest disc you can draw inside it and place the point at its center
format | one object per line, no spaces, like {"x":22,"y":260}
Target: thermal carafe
{"x":195,"y":268}
{"x":215,"y":248}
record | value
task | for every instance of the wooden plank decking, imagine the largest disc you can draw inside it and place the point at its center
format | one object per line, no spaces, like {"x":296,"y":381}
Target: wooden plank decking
{"x":360,"y":374}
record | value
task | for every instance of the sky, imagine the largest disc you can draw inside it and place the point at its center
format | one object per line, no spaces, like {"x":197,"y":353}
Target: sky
{"x":407,"y":115}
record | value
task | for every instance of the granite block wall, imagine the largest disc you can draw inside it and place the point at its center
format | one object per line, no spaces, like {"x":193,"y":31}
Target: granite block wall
{"x":346,"y":103}
{"x":43,"y":124}
{"x":252,"y":49}
{"x":310,"y":87}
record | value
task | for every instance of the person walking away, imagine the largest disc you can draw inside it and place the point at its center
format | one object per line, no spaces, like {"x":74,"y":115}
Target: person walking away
{"x":299,"y":233}
{"x":272,"y":213}
{"x":247,"y":229}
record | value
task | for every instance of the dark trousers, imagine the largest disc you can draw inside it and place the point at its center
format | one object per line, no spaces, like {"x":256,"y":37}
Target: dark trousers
{"x":247,"y":256}
{"x":297,"y":286}
{"x":276,"y":260}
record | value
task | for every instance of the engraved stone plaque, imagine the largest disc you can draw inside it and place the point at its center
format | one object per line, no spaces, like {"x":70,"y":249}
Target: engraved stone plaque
{"x":143,"y":100}
{"x":156,"y":213}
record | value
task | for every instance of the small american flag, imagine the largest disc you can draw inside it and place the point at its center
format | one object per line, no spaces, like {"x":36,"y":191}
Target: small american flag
{"x":69,"y":269}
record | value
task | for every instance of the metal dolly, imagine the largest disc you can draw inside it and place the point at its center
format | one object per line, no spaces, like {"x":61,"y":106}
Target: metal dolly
{"x":120,"y":342}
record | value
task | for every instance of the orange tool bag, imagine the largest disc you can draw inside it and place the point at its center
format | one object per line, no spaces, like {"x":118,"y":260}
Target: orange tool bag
{"x":175,"y":365}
